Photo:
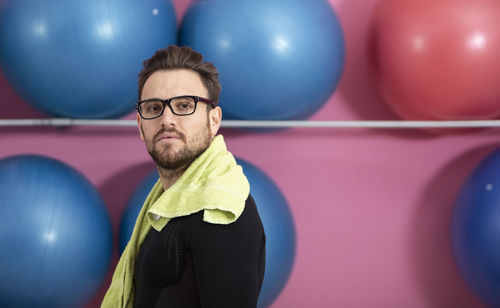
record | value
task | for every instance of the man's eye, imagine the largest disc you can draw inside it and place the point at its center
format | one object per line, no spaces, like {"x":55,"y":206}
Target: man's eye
{"x":185,"y":106}
{"x":153,"y":108}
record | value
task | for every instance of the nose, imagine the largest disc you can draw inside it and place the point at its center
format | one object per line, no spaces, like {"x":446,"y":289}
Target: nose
{"x":168,"y":118}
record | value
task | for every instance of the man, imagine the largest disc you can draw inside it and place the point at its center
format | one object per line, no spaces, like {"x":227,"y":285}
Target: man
{"x":198,"y":241}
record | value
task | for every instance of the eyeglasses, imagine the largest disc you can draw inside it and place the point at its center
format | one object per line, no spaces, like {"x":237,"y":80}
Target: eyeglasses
{"x":180,"y":105}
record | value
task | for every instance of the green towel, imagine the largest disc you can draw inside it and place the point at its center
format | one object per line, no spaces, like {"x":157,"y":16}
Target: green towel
{"x":213,"y":183}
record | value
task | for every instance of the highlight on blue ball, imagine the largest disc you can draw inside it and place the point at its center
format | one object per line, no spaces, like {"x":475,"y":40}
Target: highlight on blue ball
{"x":278,"y":60}
{"x":275,"y":215}
{"x":80,"y":59}
{"x":476,"y":230}
{"x":56,"y":237}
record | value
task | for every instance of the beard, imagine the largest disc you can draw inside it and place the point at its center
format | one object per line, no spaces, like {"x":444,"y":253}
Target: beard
{"x":165,"y":158}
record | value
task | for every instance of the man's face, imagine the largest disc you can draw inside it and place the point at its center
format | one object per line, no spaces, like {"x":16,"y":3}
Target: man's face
{"x":175,"y":141}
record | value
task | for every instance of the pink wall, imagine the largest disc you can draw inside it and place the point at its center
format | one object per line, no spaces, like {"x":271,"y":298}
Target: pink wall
{"x":372,"y":207}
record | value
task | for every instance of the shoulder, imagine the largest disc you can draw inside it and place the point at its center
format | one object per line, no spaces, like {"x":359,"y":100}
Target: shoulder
{"x":250,"y":217}
{"x":248,"y":227}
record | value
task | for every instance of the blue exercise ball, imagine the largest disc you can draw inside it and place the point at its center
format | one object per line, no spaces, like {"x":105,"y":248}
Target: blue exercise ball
{"x":279,"y":228}
{"x":278,"y":60}
{"x":55,"y":234}
{"x":274,"y":213}
{"x":476,"y":230}
{"x":80,"y":59}
{"x":133,"y":208}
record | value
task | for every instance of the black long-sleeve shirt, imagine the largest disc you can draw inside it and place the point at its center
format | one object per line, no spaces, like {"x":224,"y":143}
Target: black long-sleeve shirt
{"x":193,"y":263}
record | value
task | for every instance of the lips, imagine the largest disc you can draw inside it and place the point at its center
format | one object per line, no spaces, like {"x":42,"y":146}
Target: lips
{"x":168,"y":136}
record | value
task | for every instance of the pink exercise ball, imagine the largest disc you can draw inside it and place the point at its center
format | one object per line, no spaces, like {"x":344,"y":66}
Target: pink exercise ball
{"x":438,"y":59}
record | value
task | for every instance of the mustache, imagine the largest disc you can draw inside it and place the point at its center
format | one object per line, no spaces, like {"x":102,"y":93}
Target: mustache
{"x":170,"y":131}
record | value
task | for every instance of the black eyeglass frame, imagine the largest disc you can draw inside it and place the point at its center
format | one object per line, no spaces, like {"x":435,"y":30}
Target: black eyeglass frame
{"x":167,"y":102}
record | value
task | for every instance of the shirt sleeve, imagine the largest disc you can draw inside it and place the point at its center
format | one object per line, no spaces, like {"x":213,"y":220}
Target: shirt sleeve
{"x":228,"y":259}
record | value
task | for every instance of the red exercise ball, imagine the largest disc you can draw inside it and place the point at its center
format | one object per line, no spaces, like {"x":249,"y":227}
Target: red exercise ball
{"x":438,"y":59}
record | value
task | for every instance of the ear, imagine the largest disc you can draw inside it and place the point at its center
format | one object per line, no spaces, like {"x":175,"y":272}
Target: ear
{"x":139,"y":123}
{"x":214,"y":119}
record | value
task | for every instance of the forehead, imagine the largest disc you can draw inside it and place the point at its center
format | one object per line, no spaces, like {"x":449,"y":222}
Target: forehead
{"x":165,"y":84}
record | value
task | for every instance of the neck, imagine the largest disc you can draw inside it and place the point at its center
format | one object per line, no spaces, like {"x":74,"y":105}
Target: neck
{"x":168,"y":176}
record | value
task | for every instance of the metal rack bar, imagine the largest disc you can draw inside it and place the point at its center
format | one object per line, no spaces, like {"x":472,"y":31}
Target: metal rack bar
{"x":262,"y":124}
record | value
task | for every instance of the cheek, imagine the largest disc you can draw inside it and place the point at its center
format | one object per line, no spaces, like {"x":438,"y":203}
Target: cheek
{"x":147,"y":131}
{"x":196,"y":133}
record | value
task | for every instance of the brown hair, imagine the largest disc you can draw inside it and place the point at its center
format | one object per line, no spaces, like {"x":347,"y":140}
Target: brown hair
{"x":175,"y":57}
